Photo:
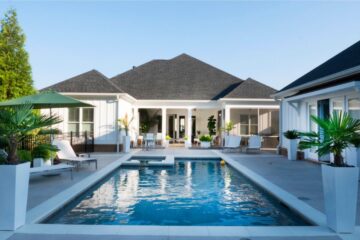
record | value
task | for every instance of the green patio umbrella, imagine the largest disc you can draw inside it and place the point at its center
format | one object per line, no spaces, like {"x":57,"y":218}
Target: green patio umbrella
{"x":48,"y":99}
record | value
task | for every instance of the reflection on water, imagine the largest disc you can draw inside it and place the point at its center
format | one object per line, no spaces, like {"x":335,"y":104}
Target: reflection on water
{"x":190,"y":193}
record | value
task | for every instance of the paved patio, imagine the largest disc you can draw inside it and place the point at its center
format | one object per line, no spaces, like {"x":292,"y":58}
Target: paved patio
{"x":300,"y":178}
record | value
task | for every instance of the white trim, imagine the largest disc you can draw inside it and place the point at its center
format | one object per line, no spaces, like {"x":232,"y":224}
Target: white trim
{"x":88,"y":94}
{"x":254,"y":106}
{"x":248,"y":99}
{"x":318,"y":81}
{"x":354,"y":84}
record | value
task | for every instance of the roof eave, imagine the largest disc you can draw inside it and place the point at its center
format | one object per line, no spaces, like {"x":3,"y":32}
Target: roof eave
{"x":328,"y":78}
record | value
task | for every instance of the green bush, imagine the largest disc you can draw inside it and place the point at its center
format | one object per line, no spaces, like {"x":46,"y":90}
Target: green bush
{"x":168,"y":137}
{"x":4,"y":142}
{"x":291,"y":134}
{"x":205,"y":138}
{"x":45,"y":151}
{"x":24,"y":155}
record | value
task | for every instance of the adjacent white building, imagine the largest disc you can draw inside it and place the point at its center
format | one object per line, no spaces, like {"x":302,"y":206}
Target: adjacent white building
{"x":182,"y":92}
{"x":332,"y":86}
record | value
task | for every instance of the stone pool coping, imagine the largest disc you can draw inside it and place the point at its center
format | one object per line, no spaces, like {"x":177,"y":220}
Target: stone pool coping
{"x":50,"y":206}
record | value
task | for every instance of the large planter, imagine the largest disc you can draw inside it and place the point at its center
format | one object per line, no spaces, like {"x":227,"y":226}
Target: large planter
{"x":292,"y":150}
{"x":204,"y":144}
{"x":126,"y":144}
{"x":166,"y":143}
{"x":340,"y":194}
{"x":14,"y":186}
{"x":353,"y":156}
{"x":39,"y":162}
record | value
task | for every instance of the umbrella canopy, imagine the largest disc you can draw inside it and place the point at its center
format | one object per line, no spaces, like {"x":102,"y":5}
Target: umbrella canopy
{"x":46,"y":100}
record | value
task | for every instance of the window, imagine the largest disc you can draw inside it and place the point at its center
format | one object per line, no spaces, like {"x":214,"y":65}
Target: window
{"x":354,"y":108}
{"x":74,"y":120}
{"x":337,"y":106}
{"x":81,"y":120}
{"x":87,"y":119}
{"x":312,"y":124}
{"x":248,"y":124}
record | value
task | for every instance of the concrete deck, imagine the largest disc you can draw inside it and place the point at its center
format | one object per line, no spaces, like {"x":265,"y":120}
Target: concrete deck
{"x":300,"y":178}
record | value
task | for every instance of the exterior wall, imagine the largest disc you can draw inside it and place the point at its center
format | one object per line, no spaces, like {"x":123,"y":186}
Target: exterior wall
{"x":295,"y":113}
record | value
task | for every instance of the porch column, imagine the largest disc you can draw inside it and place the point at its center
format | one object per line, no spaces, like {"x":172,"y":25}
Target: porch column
{"x":189,"y":127}
{"x":117,"y":132}
{"x":163,"y":126}
{"x":136,"y":124}
{"x":227,"y":115}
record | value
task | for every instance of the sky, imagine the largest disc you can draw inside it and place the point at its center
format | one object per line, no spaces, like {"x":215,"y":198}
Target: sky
{"x":272,"y":42}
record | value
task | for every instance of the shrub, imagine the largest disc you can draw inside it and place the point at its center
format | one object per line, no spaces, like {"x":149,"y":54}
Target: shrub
{"x":24,"y":155}
{"x":4,"y":142}
{"x":45,"y":151}
{"x":205,"y":138}
{"x":168,"y":137}
{"x":291,"y":134}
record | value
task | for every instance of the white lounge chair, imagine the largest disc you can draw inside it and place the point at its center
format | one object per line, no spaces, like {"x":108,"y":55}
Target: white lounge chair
{"x":232,"y":142}
{"x":149,"y":141}
{"x":254,"y":143}
{"x":52,"y":169}
{"x":66,"y":153}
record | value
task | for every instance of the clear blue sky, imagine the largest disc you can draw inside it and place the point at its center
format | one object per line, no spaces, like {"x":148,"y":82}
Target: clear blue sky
{"x":273,"y":42}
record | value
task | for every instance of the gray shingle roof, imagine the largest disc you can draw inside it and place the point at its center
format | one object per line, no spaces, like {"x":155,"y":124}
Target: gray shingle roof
{"x":346,"y":59}
{"x":251,"y":89}
{"x":180,"y":78}
{"x":88,"y":82}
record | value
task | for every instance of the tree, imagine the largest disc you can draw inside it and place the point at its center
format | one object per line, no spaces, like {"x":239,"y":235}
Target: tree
{"x":337,"y":133}
{"x":15,"y":70}
{"x":18,"y":121}
{"x":212,"y":125}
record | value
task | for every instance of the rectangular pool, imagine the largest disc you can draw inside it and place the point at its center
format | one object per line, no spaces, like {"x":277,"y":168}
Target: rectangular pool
{"x":192,"y":193}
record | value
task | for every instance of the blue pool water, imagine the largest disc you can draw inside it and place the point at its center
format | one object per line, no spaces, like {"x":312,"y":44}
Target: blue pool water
{"x":192,"y":193}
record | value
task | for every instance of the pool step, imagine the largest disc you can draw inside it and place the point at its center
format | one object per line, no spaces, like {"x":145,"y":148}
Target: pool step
{"x":150,"y":161}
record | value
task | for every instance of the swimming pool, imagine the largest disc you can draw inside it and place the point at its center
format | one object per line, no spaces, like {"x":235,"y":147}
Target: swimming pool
{"x":192,"y":193}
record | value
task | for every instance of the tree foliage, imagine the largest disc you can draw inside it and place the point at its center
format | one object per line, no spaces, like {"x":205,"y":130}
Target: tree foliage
{"x":15,"y":70}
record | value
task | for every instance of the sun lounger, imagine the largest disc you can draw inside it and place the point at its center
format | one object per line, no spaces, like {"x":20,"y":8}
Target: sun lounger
{"x":66,"y":153}
{"x":254,"y":143}
{"x":53,"y":169}
{"x":232,"y":142}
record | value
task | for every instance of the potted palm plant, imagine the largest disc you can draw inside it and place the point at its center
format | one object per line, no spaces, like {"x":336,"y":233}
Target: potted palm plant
{"x":293,"y":137}
{"x":43,"y":153}
{"x":15,"y":123}
{"x":340,"y":180}
{"x":125,"y":125}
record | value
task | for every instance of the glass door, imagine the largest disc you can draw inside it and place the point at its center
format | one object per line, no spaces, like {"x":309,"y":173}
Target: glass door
{"x":312,"y":126}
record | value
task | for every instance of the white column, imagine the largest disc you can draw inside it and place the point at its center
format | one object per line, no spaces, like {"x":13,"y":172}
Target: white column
{"x":163,"y":125}
{"x":117,"y":132}
{"x":227,"y":114}
{"x":136,"y":124}
{"x":189,"y":127}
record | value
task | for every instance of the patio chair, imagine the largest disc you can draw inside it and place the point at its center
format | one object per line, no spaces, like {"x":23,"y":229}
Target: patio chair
{"x":232,"y":142}
{"x":254,"y":143}
{"x":52,"y":169}
{"x":66,"y":153}
{"x":149,"y":141}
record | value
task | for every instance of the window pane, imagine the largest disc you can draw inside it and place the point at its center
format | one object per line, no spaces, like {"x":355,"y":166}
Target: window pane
{"x":253,"y":130}
{"x":244,"y":129}
{"x":254,"y":119}
{"x":87,"y":127}
{"x":73,"y":127}
{"x":244,"y":119}
{"x":88,"y":115}
{"x":312,"y":112}
{"x":74,"y":114}
{"x":354,"y":108}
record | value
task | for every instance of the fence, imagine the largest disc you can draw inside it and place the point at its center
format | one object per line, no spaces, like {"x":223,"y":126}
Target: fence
{"x":82,"y":142}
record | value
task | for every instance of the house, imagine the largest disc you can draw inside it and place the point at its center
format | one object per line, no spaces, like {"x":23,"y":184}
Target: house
{"x":182,"y":93}
{"x":332,"y":86}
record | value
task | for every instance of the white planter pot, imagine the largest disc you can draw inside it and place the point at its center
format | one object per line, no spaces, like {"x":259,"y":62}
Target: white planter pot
{"x":292,"y":150}
{"x":352,"y":156}
{"x":14,"y":186}
{"x":187,"y":144}
{"x":126,"y":144}
{"x":166,"y":143}
{"x":204,"y":144}
{"x":340,"y":194}
{"x":38,"y":162}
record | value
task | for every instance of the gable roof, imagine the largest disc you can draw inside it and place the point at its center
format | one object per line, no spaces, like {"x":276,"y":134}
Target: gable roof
{"x":347,"y":59}
{"x":180,"y":78}
{"x":251,"y":89}
{"x":89,"y":82}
